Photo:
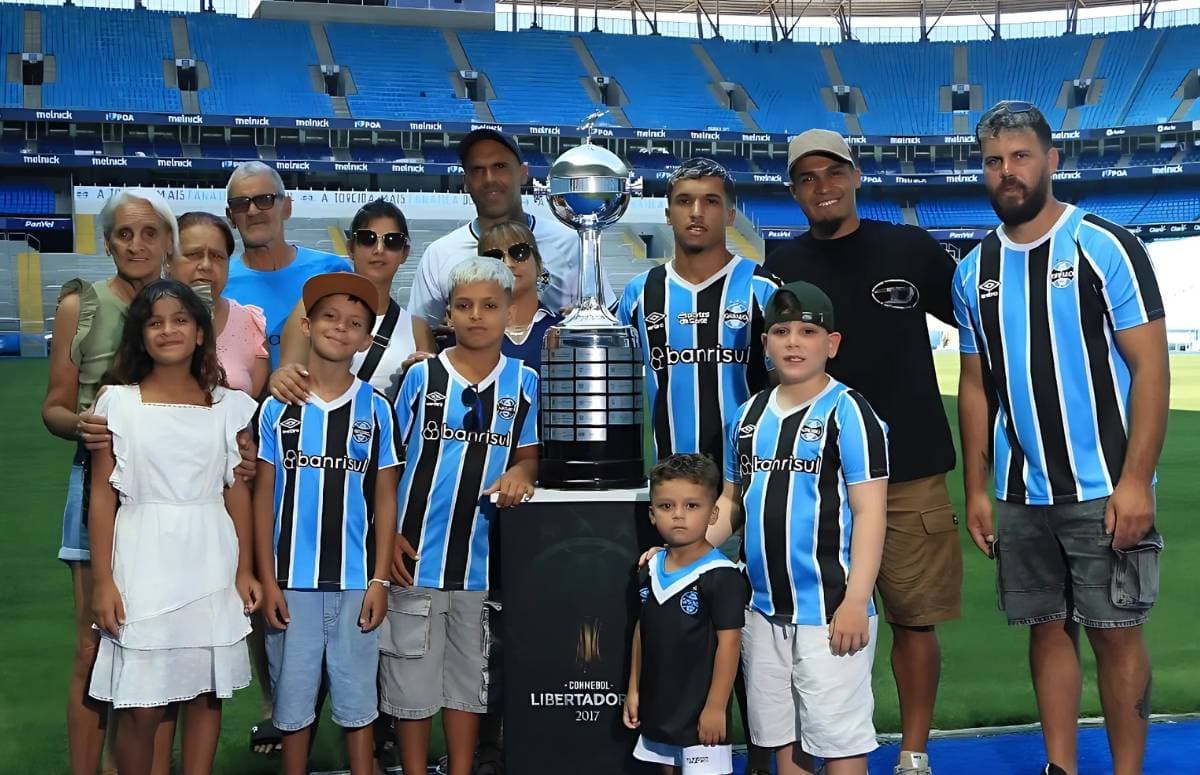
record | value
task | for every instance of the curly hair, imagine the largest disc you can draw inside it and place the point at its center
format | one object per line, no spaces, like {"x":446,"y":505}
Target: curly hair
{"x":133,"y":363}
{"x":694,"y":467}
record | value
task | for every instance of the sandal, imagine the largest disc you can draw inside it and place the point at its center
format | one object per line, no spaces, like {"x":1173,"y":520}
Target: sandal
{"x":265,"y":734}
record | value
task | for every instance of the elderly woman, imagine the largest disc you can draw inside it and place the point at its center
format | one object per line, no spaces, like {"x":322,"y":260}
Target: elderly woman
{"x":140,"y":235}
{"x":513,"y":243}
{"x":205,"y":245}
{"x":378,"y":245}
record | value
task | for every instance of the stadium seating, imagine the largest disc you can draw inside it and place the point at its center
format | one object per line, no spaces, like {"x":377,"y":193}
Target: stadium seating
{"x":780,"y":210}
{"x":900,"y":83}
{"x":1122,"y":207}
{"x":934,"y":210}
{"x":99,"y":52}
{"x":665,"y":82}
{"x":1155,"y":101}
{"x":1030,"y":69}
{"x":535,"y":75}
{"x":11,"y":41}
{"x":1092,"y":159}
{"x":400,"y":72}
{"x":785,"y":80}
{"x":1150,"y":157}
{"x":1121,"y":63}
{"x":26,"y":199}
{"x":1170,"y":206}
{"x":256,"y":66}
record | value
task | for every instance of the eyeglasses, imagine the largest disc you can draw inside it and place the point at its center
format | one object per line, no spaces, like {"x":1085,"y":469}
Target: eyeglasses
{"x":393,"y":240}
{"x":241,"y":204}
{"x":520,"y":252}
{"x":473,"y":420}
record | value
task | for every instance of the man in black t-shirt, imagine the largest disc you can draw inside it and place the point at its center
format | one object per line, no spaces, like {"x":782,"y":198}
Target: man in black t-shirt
{"x":883,"y":279}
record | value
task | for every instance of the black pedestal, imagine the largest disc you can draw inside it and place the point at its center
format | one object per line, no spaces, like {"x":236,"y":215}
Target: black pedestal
{"x":569,"y":610}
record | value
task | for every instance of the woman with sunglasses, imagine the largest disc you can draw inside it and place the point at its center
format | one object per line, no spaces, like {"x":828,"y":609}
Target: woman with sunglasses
{"x":513,"y":243}
{"x":378,"y":244}
{"x":205,"y":245}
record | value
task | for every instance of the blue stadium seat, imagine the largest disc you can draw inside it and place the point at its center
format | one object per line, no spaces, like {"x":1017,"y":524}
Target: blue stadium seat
{"x":1095,"y":160}
{"x":257,"y":66}
{"x":439,"y":155}
{"x":400,"y":72}
{"x":108,"y":59}
{"x":1176,"y":56}
{"x":900,"y":83}
{"x":784,"y":79}
{"x":1118,"y":207}
{"x":26,"y":199}
{"x":1171,"y":206}
{"x":954,"y":212}
{"x":766,"y":210}
{"x":1121,"y":63}
{"x":535,"y":74}
{"x":12,"y":40}
{"x":1030,"y":69}
{"x":664,"y":80}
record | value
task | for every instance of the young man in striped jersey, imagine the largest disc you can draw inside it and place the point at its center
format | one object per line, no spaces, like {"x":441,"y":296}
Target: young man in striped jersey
{"x":468,"y":421}
{"x":1064,"y":372}
{"x":325,"y":517}
{"x":699,"y":317}
{"x":806,"y":467}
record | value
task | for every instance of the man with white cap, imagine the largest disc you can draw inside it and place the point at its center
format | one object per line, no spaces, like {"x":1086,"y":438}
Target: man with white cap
{"x":884,"y":278}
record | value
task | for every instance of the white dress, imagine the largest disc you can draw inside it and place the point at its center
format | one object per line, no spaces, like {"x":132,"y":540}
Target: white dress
{"x":175,"y":551}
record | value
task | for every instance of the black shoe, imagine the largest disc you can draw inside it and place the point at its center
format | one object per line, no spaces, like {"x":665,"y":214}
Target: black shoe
{"x":1053,"y":769}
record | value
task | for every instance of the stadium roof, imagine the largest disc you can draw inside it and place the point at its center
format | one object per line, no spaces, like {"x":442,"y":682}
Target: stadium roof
{"x":790,"y":9}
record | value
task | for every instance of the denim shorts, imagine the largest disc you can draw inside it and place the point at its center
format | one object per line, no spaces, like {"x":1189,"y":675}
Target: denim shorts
{"x":1057,"y":561}
{"x":75,"y":546}
{"x":323,"y":627}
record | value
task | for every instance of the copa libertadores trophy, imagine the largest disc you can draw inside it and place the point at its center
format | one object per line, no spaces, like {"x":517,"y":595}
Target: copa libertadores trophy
{"x":591,"y":379}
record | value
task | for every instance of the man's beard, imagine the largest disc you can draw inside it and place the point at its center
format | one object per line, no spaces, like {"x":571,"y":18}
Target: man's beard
{"x":827,"y":227}
{"x":1027,"y":209}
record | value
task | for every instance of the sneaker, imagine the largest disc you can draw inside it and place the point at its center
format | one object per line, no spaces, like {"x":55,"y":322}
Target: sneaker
{"x":913,"y":763}
{"x":1053,"y":769}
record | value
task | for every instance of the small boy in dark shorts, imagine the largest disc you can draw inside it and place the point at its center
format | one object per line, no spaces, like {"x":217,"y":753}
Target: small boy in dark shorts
{"x":686,"y":644}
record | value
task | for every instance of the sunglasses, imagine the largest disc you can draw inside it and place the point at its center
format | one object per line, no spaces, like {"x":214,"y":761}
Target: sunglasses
{"x":520,"y":252}
{"x":472,"y":421}
{"x":1007,"y":106}
{"x":393,"y":240}
{"x":241,"y":204}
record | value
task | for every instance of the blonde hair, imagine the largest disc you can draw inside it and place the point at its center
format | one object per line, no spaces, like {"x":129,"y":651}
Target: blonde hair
{"x":504,"y":235}
{"x":481,"y":270}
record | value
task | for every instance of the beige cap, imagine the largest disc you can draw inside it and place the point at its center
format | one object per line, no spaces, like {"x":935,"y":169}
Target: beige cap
{"x":322,"y":285}
{"x":821,"y":141}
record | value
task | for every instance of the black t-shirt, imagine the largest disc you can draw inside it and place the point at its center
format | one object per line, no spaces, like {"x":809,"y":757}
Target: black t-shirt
{"x":883,"y":278}
{"x":680,"y":615}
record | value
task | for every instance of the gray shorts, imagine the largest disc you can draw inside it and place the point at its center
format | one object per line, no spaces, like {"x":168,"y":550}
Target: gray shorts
{"x":1052,"y":561}
{"x":434,"y":650}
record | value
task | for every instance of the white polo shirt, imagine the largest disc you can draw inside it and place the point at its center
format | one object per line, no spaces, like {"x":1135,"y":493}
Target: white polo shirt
{"x":559,"y":247}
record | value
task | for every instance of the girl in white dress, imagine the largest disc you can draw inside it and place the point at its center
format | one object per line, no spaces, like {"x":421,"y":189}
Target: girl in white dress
{"x":171,"y":531}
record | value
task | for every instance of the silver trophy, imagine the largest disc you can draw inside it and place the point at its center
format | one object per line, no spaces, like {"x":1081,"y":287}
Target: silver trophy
{"x":591,"y":380}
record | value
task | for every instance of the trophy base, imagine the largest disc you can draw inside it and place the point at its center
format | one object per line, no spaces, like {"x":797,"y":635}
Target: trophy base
{"x":582,"y":473}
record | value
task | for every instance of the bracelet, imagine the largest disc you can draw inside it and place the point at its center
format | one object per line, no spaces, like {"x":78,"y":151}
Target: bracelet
{"x":384,"y":582}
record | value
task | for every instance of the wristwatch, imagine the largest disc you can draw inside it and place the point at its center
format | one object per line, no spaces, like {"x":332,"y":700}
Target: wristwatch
{"x":386,"y":584}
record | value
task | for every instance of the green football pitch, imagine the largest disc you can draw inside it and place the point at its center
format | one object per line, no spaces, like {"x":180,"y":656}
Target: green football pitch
{"x":984,"y":679}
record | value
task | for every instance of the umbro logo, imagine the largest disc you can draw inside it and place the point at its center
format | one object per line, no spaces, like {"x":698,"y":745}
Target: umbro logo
{"x":655,"y":321}
{"x":290,"y":425}
{"x":747,"y":431}
{"x":989,"y":289}
{"x":435,"y":399}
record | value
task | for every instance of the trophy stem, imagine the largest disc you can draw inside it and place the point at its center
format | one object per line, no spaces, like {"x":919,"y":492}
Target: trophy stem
{"x":591,"y":310}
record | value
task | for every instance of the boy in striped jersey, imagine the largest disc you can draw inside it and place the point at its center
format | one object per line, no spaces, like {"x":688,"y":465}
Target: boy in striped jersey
{"x":468,"y":420}
{"x":325,"y":517}
{"x":1063,"y":394}
{"x":806,"y":467}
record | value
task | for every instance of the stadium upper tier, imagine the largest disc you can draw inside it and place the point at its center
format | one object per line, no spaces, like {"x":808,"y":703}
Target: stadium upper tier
{"x":124,"y":60}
